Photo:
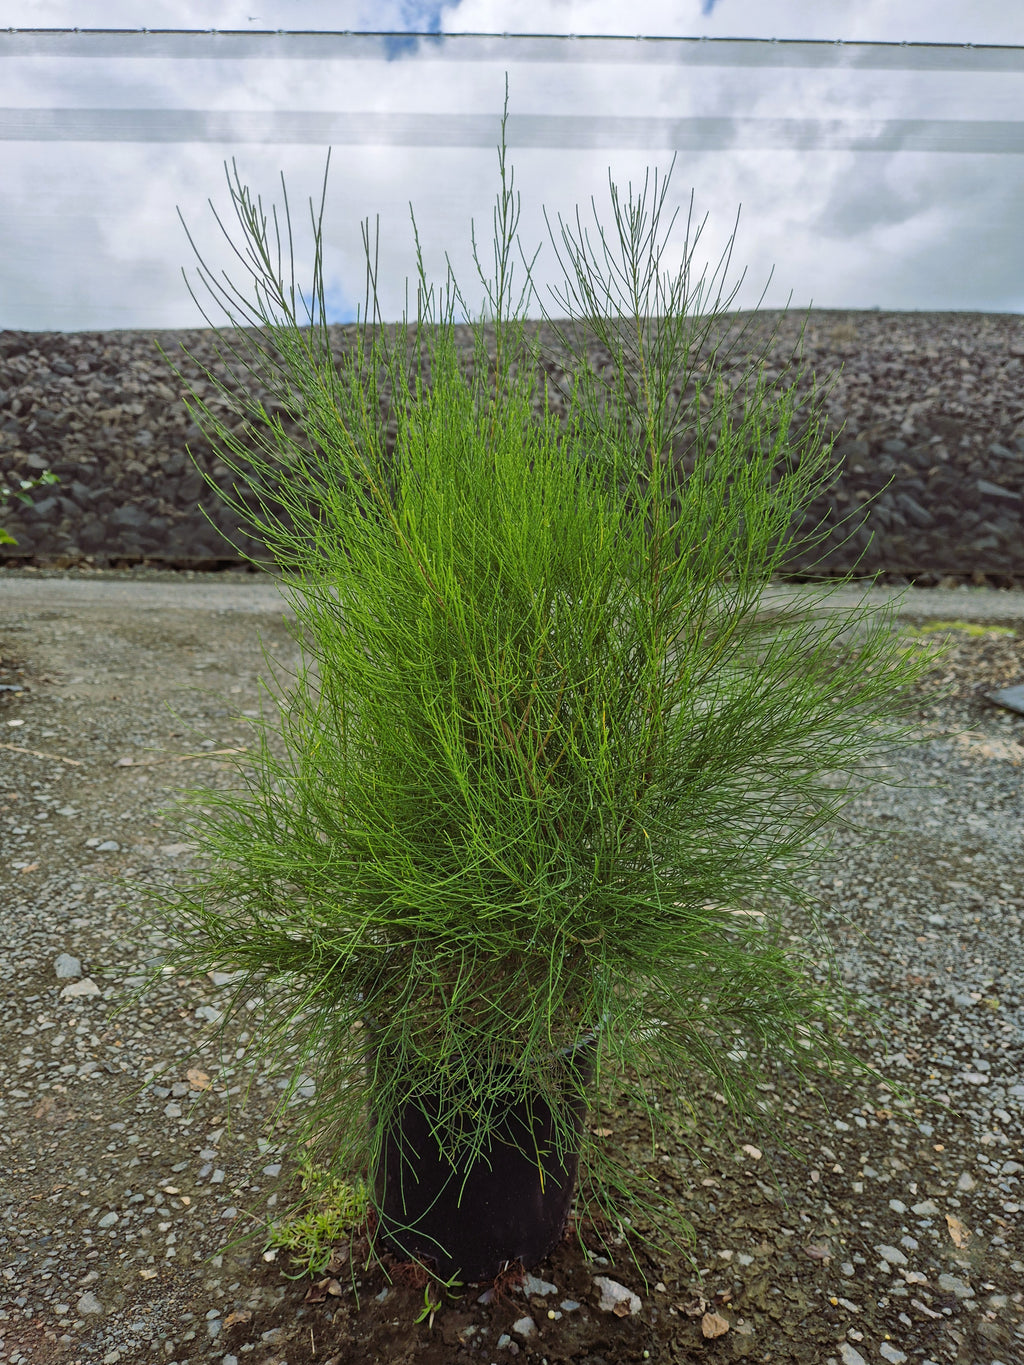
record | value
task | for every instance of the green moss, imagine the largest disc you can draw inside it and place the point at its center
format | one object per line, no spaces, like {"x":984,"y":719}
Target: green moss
{"x":969,"y":627}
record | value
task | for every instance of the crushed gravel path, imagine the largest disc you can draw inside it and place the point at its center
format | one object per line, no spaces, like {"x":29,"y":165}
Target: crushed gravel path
{"x":128,"y":1160}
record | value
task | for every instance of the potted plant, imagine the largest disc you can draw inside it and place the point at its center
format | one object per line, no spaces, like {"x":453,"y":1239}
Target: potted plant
{"x":531,"y":812}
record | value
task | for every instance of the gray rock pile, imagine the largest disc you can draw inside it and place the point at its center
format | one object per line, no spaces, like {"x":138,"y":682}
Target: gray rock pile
{"x":930,"y":404}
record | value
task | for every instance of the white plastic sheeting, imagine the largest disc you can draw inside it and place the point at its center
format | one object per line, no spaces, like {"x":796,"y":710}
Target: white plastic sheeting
{"x":870,"y":174}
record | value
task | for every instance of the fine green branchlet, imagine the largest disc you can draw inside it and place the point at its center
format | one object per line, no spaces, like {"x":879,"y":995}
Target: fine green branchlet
{"x":545,"y":766}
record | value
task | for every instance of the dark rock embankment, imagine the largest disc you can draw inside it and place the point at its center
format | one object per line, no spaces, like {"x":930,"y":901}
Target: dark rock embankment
{"x":930,"y":404}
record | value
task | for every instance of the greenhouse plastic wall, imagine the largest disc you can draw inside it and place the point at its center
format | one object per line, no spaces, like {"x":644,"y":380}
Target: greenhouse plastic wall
{"x":853,"y":162}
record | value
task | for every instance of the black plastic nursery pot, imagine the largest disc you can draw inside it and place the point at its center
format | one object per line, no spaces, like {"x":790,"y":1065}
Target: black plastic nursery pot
{"x":511,"y":1203}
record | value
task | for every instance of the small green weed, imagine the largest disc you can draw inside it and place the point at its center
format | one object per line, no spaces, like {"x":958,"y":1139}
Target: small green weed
{"x":22,"y":494}
{"x":330,"y":1211}
{"x":429,"y":1307}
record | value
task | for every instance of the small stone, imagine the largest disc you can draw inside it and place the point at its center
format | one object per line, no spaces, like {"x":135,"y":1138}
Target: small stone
{"x":67,"y":966}
{"x":531,"y":1285}
{"x":172,"y":1111}
{"x":926,"y":1209}
{"x":108,"y":846}
{"x":891,"y":1353}
{"x":952,"y":1284}
{"x":525,"y":1327}
{"x":88,"y":1303}
{"x":850,"y":1355}
{"x":503,"y":1341}
{"x":224,"y":978}
{"x":568,"y":1305}
{"x":107,"y":1221}
{"x":77,"y":989}
{"x":891,"y":1254}
{"x":897,"y":1206}
{"x":615,"y":1297}
{"x":966,"y":1183}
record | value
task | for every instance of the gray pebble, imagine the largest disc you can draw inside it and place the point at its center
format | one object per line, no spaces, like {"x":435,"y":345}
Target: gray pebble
{"x":891,"y":1353}
{"x":78,"y":989}
{"x":67,"y":967}
{"x":532,"y":1285}
{"x":952,"y":1284}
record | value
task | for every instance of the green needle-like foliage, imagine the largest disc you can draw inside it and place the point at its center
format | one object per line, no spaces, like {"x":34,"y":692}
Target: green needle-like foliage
{"x":545,"y":768}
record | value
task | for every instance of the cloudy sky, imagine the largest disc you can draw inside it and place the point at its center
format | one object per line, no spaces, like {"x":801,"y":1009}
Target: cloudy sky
{"x":863,"y":176}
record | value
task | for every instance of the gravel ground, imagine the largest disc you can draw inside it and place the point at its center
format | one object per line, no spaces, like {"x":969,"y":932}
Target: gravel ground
{"x":892,"y":1232}
{"x":930,"y":401}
